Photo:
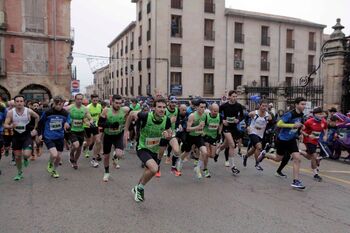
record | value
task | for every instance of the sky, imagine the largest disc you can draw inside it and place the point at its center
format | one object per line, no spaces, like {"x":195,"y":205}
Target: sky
{"x":98,"y":22}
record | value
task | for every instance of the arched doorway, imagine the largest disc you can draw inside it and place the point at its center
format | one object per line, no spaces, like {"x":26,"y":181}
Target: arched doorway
{"x":4,"y":93}
{"x":36,"y":92}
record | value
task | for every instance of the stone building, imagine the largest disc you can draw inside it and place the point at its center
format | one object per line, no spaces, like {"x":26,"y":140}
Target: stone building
{"x":201,"y":48}
{"x":36,"y":41}
{"x":102,"y":82}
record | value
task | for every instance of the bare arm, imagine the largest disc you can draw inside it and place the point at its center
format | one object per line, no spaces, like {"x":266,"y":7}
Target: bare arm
{"x":190,"y":123}
{"x":36,"y":117}
{"x":8,"y":121}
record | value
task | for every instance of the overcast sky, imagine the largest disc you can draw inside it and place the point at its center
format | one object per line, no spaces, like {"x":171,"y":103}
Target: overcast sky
{"x":98,"y":22}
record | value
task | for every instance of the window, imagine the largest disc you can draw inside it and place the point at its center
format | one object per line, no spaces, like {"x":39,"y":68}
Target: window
{"x":35,"y":57}
{"x":208,"y":84}
{"x":176,"y":58}
{"x":289,"y":63}
{"x":265,"y":39}
{"x":312,"y":43}
{"x":209,"y":6}
{"x":177,"y":4}
{"x":140,"y":85}
{"x":140,"y":36}
{"x":264,"y":81}
{"x":237,"y":81}
{"x":149,"y":30}
{"x":149,"y":84}
{"x":265,"y":65}
{"x":239,"y":36}
{"x":175,"y":83}
{"x":176,"y":26}
{"x":209,"y":33}
{"x":209,"y":60}
{"x":238,"y":61}
{"x":311,"y":66}
{"x":289,"y":81}
{"x":34,"y":15}
{"x":290,"y":41}
{"x":149,"y":7}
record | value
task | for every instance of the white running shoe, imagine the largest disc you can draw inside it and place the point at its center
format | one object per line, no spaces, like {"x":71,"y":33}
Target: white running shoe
{"x":116,"y":163}
{"x":227,"y":164}
{"x":106,"y":177}
{"x":94,"y":163}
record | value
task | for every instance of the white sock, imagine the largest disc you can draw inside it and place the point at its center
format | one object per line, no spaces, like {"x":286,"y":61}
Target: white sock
{"x":314,"y":171}
{"x":232,"y":161}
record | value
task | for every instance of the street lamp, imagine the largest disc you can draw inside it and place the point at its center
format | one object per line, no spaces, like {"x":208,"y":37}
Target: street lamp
{"x":70,"y":59}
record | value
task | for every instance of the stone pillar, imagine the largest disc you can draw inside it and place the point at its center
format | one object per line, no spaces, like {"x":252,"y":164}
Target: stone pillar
{"x":281,"y":99}
{"x":334,"y":68}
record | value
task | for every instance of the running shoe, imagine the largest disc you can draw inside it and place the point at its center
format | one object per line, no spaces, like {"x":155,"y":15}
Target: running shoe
{"x":198,"y":172}
{"x":262,"y":156}
{"x":99,"y":158}
{"x":55,"y":174}
{"x":25,"y":162}
{"x":280,"y":174}
{"x":50,"y":167}
{"x":206,"y":173}
{"x":258,"y":167}
{"x":115,"y":162}
{"x":179,"y":165}
{"x":317,"y":177}
{"x":175,"y":171}
{"x":87,"y":154}
{"x":106,"y":177}
{"x":235,"y":171}
{"x":18,"y":177}
{"x":139,"y":194}
{"x":245,"y":158}
{"x":158,"y":174}
{"x":13,"y":162}
{"x":94,"y":163}
{"x":216,"y":158}
{"x":195,"y":162}
{"x":227,"y":163}
{"x":298,"y":184}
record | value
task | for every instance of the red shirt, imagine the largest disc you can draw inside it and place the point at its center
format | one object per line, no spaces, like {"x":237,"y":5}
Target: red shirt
{"x":314,"y":127}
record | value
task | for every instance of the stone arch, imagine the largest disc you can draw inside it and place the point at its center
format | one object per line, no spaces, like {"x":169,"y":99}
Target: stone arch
{"x":36,"y":92}
{"x":5,"y":93}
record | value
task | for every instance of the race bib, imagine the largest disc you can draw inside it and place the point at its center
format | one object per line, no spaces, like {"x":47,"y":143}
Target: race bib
{"x":316,"y":134}
{"x":77,"y":123}
{"x":151,"y":142}
{"x":213,"y":126}
{"x":114,"y":130}
{"x":20,"y":128}
{"x":55,"y":125}
{"x":231,"y":120}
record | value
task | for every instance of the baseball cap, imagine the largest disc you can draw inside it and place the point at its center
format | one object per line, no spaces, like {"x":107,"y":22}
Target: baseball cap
{"x":173,"y":99}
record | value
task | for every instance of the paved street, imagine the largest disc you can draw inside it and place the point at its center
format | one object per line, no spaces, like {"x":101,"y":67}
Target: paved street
{"x":252,"y":202}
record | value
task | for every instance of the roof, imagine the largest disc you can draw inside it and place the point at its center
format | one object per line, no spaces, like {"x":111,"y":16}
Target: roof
{"x":101,"y":69}
{"x":271,"y":17}
{"x":131,"y":26}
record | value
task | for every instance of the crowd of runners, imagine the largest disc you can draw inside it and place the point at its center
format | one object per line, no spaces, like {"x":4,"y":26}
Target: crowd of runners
{"x":162,"y":128}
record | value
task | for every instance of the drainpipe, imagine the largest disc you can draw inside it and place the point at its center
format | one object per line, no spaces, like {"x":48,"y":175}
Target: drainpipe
{"x":155,"y":46}
{"x":54,"y":15}
{"x":226,"y":52}
{"x":279,"y":54}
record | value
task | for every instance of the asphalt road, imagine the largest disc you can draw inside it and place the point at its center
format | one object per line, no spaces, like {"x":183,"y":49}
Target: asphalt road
{"x":79,"y":201}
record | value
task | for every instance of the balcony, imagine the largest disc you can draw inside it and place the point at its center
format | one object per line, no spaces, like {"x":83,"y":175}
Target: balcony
{"x":3,"y":21}
{"x":311,"y":68}
{"x":148,"y":7}
{"x":148,"y":35}
{"x":265,"y":41}
{"x":209,"y":35}
{"x":2,"y":67}
{"x":239,"y":38}
{"x":209,"y":62}
{"x":265,"y":66}
{"x":289,"y":67}
{"x":34,"y":24}
{"x":209,"y":7}
{"x":312,"y":46}
{"x":176,"y":4}
{"x":176,"y":32}
{"x":290,"y":44}
{"x":148,"y":61}
{"x":140,"y":15}
{"x":140,"y":40}
{"x":238,"y":64}
{"x":176,"y":61}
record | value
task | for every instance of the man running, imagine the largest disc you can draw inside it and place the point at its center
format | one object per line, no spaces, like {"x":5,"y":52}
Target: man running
{"x":256,"y":130}
{"x":17,"y":119}
{"x":52,"y":125}
{"x":195,"y":128}
{"x":232,"y":112}
{"x":3,"y":113}
{"x":290,"y":123}
{"x":77,"y":114}
{"x":92,"y":134}
{"x":153,"y":126}
{"x":113,"y":121}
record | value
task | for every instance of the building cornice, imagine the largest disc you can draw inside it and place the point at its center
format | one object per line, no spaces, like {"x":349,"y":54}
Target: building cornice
{"x":270,"y":17}
{"x":36,"y":36}
{"x":128,"y":28}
